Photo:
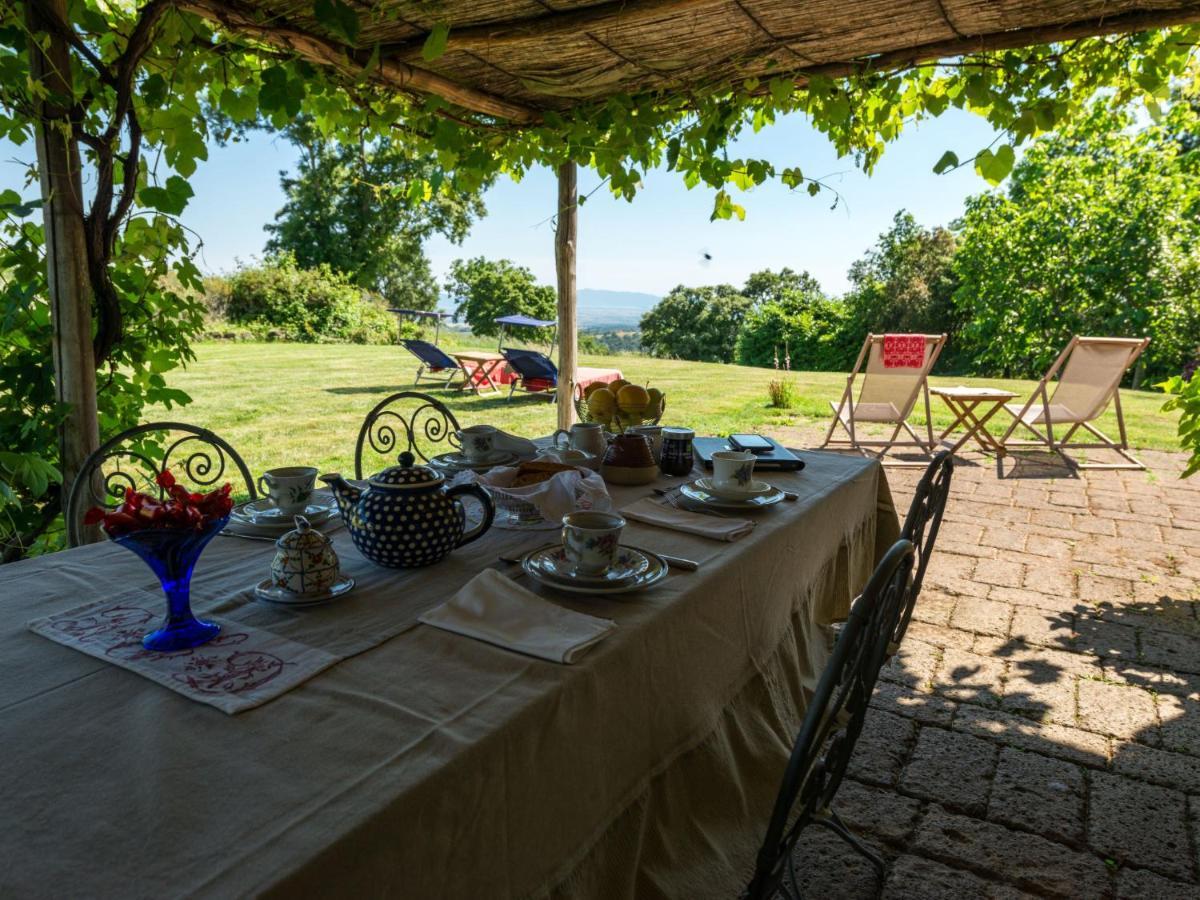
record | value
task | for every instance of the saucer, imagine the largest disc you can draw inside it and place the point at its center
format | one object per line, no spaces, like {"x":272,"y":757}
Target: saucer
{"x":456,"y":461}
{"x":756,"y":489}
{"x":265,"y":515}
{"x":655,"y":572}
{"x":552,"y":561}
{"x":267,"y":591}
{"x":698,"y":494}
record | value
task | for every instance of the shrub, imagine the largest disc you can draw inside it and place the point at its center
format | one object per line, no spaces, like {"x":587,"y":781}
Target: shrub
{"x":280,"y":301}
{"x":1186,"y":397}
{"x":783,"y":393}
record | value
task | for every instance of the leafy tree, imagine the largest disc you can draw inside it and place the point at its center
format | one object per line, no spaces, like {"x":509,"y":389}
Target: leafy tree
{"x":698,"y":323}
{"x":365,"y":210}
{"x":483,"y":289}
{"x":772,"y":287}
{"x":1097,"y":234}
{"x":906,"y":282}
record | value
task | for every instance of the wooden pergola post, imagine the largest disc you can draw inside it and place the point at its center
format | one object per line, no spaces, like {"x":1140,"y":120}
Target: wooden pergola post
{"x":66,"y":253}
{"x":564,"y":261}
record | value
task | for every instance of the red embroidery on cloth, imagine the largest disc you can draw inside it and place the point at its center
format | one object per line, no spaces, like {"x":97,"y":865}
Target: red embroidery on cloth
{"x":230,"y":674}
{"x":903,"y":351}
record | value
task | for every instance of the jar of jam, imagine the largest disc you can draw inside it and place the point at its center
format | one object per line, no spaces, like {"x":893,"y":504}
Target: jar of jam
{"x":677,"y":457}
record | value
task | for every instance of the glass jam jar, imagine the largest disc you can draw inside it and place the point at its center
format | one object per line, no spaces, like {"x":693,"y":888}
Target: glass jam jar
{"x":677,"y":456}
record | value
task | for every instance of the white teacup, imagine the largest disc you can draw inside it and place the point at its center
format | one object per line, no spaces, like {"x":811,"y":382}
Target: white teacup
{"x":591,"y":539}
{"x":733,"y":471}
{"x":478,"y":441}
{"x":289,"y":487}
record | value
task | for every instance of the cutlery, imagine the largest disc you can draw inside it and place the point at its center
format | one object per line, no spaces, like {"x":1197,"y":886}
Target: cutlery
{"x":675,"y":562}
{"x":669,"y":495}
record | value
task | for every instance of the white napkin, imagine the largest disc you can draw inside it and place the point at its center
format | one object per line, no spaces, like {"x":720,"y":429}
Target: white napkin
{"x":655,"y":512}
{"x":492,"y":608}
{"x":523,"y":447}
{"x":558,"y":495}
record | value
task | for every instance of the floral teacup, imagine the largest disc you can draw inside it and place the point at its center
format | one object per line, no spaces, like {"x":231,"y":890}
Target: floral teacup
{"x":478,"y":441}
{"x":289,"y":488}
{"x":590,"y":540}
{"x":733,"y":471}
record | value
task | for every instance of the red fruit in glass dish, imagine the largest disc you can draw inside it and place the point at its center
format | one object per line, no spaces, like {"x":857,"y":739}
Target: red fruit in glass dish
{"x":181,"y":510}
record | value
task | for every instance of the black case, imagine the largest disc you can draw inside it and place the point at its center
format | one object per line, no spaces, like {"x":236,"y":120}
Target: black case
{"x":779,"y":458}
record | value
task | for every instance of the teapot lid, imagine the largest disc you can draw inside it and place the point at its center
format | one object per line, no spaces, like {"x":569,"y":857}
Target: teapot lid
{"x":407,"y":475}
{"x":303,"y":537}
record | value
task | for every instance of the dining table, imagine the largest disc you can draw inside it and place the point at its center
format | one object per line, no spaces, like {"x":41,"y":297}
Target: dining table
{"x":414,"y":762}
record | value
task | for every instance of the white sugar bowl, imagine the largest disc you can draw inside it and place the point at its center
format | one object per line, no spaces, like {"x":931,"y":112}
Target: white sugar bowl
{"x":305,"y":561}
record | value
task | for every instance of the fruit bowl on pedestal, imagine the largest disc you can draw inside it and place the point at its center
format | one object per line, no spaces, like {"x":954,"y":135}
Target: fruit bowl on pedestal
{"x":620,"y":405}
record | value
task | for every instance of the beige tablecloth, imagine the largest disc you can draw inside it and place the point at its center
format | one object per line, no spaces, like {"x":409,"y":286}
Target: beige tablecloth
{"x":431,"y":765}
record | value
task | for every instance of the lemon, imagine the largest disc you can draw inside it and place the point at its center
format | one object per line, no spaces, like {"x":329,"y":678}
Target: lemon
{"x":632,"y":398}
{"x":601,"y":405}
{"x":654,"y":401}
{"x":615,"y":386}
{"x":592,"y":388}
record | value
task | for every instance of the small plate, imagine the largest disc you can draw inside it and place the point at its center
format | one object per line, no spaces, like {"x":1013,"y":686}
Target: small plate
{"x":552,"y":561}
{"x":697,"y":494}
{"x":456,"y":462}
{"x":655,"y":573}
{"x":757,"y":489}
{"x":265,"y":514}
{"x":265,"y":590}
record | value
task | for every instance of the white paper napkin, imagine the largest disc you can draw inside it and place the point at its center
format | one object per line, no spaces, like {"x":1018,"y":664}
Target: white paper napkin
{"x":492,"y":608}
{"x":654,"y":512}
{"x":514,"y":444}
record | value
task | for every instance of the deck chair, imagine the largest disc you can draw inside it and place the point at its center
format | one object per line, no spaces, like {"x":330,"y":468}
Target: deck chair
{"x":1089,"y":377}
{"x":896,"y":373}
{"x":536,"y":373}
{"x":435,"y":366}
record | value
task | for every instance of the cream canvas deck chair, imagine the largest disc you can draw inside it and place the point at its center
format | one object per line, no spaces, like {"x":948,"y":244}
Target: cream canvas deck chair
{"x":1090,"y":379}
{"x":896,"y":373}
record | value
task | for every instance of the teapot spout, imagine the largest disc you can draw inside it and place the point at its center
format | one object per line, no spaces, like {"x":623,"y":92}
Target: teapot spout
{"x":344,"y":492}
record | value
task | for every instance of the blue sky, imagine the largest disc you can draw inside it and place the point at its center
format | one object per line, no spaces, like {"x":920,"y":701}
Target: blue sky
{"x":656,"y":241}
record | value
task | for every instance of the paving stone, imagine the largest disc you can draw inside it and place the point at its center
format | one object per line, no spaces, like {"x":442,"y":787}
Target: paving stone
{"x":940,"y":636}
{"x":954,"y":565}
{"x":913,"y":664}
{"x":1174,"y":651}
{"x":1180,"y":719}
{"x":1041,"y":692}
{"x":1050,"y":601}
{"x":1194,"y":812}
{"x":1140,"y":824}
{"x":827,"y":867}
{"x":1040,"y":663}
{"x":952,"y":768}
{"x":1054,"y":518}
{"x":1092,"y":524}
{"x":882,"y":747}
{"x":1003,"y":572}
{"x":1104,"y":639}
{"x":1037,"y":626}
{"x":1032,"y":862}
{"x":1098,"y":589}
{"x":1123,"y":712}
{"x":1138,"y":884}
{"x":923,"y":706}
{"x":982,"y":616}
{"x":1159,"y":766}
{"x":969,"y":678}
{"x":1009,"y":539}
{"x":1039,"y":794}
{"x":917,"y":878}
{"x":871,"y":810}
{"x":1050,"y":578}
{"x":933,"y":607}
{"x":1060,"y":741}
{"x":1161,"y":681}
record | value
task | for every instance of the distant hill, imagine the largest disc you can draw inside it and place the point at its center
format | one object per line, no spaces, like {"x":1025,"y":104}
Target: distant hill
{"x":613,"y":309}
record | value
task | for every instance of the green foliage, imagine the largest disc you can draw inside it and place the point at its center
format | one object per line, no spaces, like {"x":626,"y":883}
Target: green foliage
{"x":782,"y":393}
{"x":792,"y":319}
{"x":1096,"y":235}
{"x":1186,"y":398}
{"x":315,"y":305}
{"x":698,"y":323}
{"x":483,"y":289}
{"x":365,"y":210}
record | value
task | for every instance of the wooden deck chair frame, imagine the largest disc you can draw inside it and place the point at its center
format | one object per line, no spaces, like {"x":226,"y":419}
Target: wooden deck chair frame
{"x":1043,"y":395}
{"x":843,"y":410}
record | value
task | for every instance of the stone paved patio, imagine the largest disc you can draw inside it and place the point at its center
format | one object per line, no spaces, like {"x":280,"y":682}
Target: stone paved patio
{"x":1039,"y":732}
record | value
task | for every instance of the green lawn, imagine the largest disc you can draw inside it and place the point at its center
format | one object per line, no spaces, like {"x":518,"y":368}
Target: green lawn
{"x":281,"y":404}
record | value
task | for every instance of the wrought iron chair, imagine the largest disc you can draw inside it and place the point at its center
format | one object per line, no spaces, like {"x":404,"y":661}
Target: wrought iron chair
{"x":832,"y":724}
{"x":135,"y":457}
{"x":422,"y":425}
{"x":921,"y":526}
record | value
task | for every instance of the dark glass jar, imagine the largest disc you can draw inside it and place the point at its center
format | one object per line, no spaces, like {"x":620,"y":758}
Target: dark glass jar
{"x":677,"y":457}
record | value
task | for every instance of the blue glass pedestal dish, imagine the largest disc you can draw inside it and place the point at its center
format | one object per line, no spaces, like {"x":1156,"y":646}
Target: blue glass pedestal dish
{"x":172,"y":553}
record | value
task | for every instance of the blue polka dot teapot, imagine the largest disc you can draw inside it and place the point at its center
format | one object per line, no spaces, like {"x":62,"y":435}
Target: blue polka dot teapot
{"x":407,"y":517}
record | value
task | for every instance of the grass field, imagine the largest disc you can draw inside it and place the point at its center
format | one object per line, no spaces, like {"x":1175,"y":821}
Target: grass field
{"x":286,"y":404}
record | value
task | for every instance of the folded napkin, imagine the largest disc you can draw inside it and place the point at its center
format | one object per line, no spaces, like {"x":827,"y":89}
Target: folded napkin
{"x":654,"y":512}
{"x":492,"y":608}
{"x":514,"y":444}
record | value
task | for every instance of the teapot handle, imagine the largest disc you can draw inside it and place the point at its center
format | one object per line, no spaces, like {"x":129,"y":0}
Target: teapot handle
{"x":489,"y":509}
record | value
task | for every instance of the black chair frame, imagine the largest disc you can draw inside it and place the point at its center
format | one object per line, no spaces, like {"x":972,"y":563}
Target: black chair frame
{"x":831,"y":727}
{"x":921,"y":527}
{"x":199,"y":455}
{"x":390,"y":432}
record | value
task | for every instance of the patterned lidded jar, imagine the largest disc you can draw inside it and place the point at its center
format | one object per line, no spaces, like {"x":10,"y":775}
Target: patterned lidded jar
{"x":305,"y":561}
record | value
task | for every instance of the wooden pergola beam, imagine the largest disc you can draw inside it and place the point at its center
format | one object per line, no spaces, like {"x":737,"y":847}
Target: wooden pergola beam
{"x":566,"y":233}
{"x":243,"y":19}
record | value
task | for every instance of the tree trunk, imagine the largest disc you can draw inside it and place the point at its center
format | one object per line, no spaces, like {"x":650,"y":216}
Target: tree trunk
{"x":66,"y":252}
{"x":564,"y":259}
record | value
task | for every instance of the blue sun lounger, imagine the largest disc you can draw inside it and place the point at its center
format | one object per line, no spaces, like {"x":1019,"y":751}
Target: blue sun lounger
{"x":536,"y":374}
{"x":436,"y":366}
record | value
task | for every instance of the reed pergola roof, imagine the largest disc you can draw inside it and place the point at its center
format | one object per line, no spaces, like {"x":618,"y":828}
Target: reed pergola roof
{"x":515,"y":59}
